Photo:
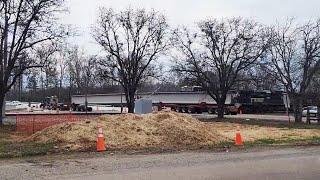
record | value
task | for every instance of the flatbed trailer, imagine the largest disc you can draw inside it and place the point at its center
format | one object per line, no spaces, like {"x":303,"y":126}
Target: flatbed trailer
{"x":186,"y":102}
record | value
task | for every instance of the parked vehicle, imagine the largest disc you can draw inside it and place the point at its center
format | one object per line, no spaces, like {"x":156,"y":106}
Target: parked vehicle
{"x":63,"y":107}
{"x":50,"y":103}
{"x":260,"y":101}
{"x":80,"y":107}
{"x":313,"y":111}
{"x":191,"y":100}
{"x":195,"y":100}
{"x":13,"y":103}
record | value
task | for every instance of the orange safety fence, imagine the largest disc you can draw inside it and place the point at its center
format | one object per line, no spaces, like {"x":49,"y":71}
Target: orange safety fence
{"x":29,"y":124}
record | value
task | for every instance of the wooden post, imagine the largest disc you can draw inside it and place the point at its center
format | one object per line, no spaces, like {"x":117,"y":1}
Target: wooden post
{"x":318,"y":114}
{"x":308,"y":116}
{"x":33,"y":131}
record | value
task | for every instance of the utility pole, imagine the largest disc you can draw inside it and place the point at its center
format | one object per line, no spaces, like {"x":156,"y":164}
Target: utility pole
{"x":42,"y":84}
{"x":70,"y":89}
{"x":86,"y":95}
{"x":121,"y":99}
{"x":5,"y":61}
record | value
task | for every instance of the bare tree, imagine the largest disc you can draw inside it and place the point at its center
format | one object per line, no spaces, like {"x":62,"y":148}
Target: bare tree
{"x":218,"y":53}
{"x":24,"y":25}
{"x":62,"y":67}
{"x":133,"y":40}
{"x":88,"y":70}
{"x":32,"y":83}
{"x":255,"y":79}
{"x":46,"y":56}
{"x":82,"y":70}
{"x":293,"y":59}
{"x":76,"y":64}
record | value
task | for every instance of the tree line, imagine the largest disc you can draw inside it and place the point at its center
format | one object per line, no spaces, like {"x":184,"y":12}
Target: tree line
{"x":219,"y":54}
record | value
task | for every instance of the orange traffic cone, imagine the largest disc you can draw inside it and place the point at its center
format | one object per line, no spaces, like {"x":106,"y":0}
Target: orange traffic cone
{"x":238,"y":140}
{"x":100,"y":140}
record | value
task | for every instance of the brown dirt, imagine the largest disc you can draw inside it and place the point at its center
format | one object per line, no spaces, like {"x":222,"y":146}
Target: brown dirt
{"x":157,"y":130}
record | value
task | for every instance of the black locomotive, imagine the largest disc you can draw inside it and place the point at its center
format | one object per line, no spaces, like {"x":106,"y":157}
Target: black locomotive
{"x":259,"y":101}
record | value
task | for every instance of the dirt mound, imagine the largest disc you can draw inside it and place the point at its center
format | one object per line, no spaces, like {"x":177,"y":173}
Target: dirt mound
{"x":129,"y":131}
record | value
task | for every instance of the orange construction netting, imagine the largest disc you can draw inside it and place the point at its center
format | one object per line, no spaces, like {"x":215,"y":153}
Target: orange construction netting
{"x":29,"y":124}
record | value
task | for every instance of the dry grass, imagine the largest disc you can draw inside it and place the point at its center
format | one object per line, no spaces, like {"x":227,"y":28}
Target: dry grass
{"x":12,"y":146}
{"x":252,"y":133}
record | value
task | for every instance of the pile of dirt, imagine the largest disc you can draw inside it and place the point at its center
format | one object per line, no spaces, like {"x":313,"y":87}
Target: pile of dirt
{"x":164,"y":130}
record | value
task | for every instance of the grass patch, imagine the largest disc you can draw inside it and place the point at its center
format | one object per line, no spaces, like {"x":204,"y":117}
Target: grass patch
{"x":10,"y":148}
{"x":287,"y":141}
{"x":23,"y":149}
{"x":225,"y":144}
{"x":265,"y":141}
{"x":274,"y":142}
{"x":5,"y":132}
{"x":264,"y":123}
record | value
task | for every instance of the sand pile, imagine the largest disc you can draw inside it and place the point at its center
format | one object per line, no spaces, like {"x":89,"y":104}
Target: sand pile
{"x":157,"y":130}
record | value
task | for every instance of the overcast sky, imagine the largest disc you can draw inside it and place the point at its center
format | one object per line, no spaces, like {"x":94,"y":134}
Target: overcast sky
{"x":83,"y":13}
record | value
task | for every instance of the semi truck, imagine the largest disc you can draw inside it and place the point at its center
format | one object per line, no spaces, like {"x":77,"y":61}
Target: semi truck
{"x":193,"y":100}
{"x":187,"y":102}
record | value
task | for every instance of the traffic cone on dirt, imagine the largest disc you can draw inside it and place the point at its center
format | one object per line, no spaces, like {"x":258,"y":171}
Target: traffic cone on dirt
{"x":238,"y":140}
{"x":100,"y":140}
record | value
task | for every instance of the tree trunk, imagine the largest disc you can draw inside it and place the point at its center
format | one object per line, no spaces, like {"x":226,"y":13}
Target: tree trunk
{"x":221,"y":103}
{"x":130,"y":100}
{"x":297,"y":107}
{"x":130,"y":105}
{"x":220,"y":111}
{"x":2,"y":108}
{"x":130,"y":91}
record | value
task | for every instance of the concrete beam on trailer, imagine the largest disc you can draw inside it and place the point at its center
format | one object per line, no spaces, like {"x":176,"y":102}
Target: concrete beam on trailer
{"x":163,"y":97}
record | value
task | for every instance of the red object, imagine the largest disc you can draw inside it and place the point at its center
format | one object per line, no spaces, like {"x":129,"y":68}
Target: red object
{"x":28,"y":124}
{"x":238,"y":139}
{"x":100,"y":141}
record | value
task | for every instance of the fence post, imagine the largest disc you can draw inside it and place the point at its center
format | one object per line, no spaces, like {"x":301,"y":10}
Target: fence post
{"x":308,"y":116}
{"x":33,"y":124}
{"x":318,"y":114}
{"x":16,"y":125}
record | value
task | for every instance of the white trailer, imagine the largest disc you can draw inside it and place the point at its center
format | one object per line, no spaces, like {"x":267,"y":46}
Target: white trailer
{"x":179,"y":101}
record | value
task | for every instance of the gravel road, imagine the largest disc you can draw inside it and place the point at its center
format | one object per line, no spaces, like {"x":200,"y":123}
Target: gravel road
{"x":288,"y":163}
